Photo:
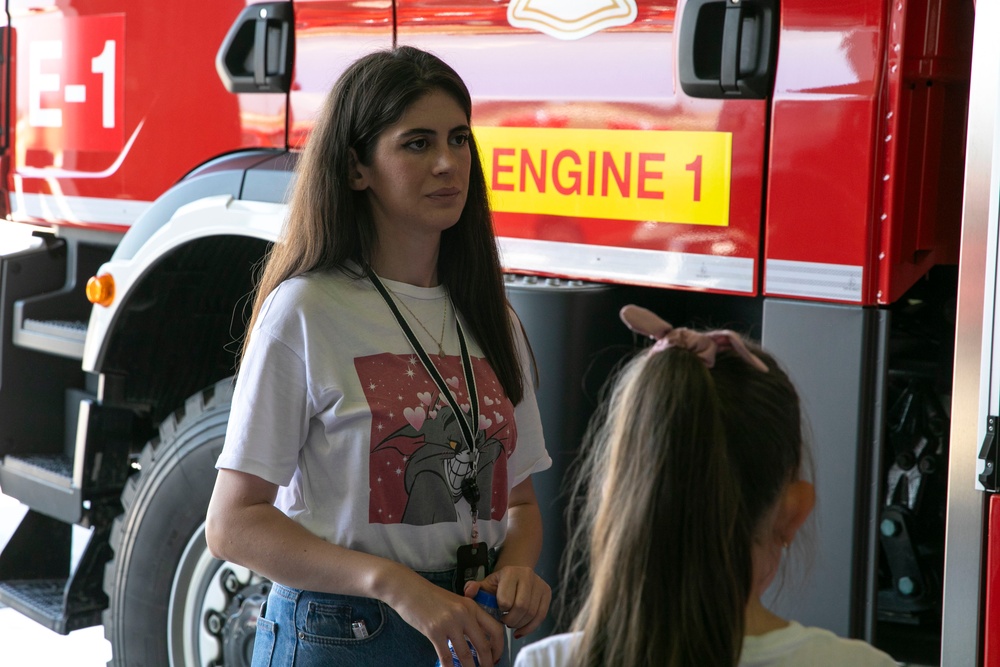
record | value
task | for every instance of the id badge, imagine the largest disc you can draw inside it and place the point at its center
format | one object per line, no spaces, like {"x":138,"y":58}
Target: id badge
{"x":473,"y":564}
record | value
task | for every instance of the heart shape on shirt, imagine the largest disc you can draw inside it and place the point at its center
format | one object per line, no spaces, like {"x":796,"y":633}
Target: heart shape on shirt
{"x":425,"y":397}
{"x":415,"y":416}
{"x":484,"y":423}
{"x":453,"y":381}
{"x":487,"y":400}
{"x":499,"y":417}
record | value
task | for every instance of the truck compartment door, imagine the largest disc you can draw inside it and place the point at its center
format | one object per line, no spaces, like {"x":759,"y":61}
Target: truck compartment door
{"x":602,"y":166}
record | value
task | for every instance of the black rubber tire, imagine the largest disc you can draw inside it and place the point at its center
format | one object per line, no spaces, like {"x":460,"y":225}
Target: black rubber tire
{"x":164,"y":504}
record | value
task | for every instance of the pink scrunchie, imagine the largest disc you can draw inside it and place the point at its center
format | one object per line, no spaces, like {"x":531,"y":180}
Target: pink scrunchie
{"x":704,"y":345}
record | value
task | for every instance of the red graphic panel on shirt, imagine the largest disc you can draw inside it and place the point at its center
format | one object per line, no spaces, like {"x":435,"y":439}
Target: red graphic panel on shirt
{"x":418,"y":458}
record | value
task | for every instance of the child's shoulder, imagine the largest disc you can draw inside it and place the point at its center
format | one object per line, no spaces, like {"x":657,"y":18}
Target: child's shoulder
{"x":554,"y":651}
{"x":817,"y":647}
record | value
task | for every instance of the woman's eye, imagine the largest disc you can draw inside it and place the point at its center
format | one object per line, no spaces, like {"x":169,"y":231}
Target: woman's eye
{"x":460,"y":139}
{"x":417,"y":144}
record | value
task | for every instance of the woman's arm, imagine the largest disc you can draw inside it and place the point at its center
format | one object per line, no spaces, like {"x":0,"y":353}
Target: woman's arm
{"x":523,"y":544}
{"x":244,"y":527}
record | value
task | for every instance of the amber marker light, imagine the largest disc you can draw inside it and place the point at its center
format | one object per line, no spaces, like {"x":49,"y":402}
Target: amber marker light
{"x":101,"y":289}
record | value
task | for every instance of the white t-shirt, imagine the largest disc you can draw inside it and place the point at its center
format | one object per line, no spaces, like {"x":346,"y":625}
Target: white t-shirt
{"x":333,"y":406}
{"x":792,"y":646}
{"x":797,"y":645}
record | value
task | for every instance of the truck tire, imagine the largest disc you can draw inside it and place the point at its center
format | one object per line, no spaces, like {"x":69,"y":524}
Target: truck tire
{"x":171,"y":604}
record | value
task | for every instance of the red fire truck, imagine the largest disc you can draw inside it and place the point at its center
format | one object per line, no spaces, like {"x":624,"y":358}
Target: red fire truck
{"x":790,"y":169}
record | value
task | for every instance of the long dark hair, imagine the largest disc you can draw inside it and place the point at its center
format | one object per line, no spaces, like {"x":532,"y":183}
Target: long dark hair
{"x":330,"y":225}
{"x":682,"y":466}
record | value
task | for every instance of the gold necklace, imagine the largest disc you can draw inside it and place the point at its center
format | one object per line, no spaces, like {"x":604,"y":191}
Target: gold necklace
{"x":444,"y":318}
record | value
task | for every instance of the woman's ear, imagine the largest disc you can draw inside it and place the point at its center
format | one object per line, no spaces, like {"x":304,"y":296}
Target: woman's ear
{"x":797,"y":504}
{"x":356,"y":172}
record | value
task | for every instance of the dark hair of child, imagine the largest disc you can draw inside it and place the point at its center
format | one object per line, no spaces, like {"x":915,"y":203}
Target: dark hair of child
{"x":681,"y":470}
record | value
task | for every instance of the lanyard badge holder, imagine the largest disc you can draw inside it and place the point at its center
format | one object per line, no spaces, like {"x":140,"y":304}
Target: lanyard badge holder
{"x":472,"y":560}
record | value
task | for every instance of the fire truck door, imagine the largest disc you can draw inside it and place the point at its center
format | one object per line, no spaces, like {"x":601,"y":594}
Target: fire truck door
{"x":612,"y":153}
{"x":95,"y":102}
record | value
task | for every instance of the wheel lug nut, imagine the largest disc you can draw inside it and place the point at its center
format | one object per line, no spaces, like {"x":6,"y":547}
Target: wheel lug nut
{"x":214,"y":622}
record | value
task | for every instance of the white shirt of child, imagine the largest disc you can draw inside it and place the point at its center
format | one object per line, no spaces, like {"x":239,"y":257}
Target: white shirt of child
{"x":792,"y":646}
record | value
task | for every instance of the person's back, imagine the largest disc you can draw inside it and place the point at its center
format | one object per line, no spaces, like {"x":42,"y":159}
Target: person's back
{"x":690,"y":492}
{"x":799,"y":646}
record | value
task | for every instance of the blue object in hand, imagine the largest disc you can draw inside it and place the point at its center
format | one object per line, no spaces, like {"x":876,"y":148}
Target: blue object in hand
{"x":487,"y":601}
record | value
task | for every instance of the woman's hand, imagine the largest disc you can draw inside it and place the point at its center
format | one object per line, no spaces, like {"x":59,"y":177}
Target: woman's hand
{"x":441,"y":615}
{"x":523,"y":597}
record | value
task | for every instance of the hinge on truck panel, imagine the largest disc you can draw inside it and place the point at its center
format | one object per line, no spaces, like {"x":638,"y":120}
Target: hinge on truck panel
{"x":988,"y":454}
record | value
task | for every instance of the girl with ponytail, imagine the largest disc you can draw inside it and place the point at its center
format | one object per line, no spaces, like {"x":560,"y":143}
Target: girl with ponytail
{"x":690,"y":493}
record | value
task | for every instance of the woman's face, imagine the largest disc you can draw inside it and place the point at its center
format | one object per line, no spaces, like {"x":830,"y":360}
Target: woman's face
{"x":418,"y":178}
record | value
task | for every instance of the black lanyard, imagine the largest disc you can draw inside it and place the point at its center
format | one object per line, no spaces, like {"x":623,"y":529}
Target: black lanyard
{"x":468,"y":432}
{"x":472,"y":560}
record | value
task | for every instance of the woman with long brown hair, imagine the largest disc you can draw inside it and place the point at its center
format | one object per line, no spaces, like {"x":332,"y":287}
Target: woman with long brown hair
{"x":377,"y":464}
{"x":691,"y":492}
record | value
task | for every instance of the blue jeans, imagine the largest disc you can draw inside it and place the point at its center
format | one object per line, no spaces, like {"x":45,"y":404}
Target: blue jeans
{"x":306,"y":629}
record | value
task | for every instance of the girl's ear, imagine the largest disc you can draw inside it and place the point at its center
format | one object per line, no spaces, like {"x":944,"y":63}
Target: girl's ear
{"x":357,"y":173}
{"x":796,"y":505}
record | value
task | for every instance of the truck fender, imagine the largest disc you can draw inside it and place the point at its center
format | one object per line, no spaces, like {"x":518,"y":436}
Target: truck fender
{"x":179,"y":280}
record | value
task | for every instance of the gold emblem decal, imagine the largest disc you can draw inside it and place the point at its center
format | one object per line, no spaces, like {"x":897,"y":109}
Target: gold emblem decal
{"x":570,"y":19}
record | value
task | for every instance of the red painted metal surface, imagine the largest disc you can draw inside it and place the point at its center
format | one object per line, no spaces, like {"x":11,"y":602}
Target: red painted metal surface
{"x":823,"y":143}
{"x":991,"y":610}
{"x":867,"y":141}
{"x":329,"y":35}
{"x":117,"y":120}
{"x":863,"y":137}
{"x":929,"y":61}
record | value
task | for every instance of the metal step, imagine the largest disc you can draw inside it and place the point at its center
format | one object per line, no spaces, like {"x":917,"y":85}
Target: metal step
{"x":73,"y":330}
{"x":43,"y":601}
{"x":61,"y":337}
{"x":43,"y":482}
{"x":53,"y":468}
{"x":38,"y":579}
